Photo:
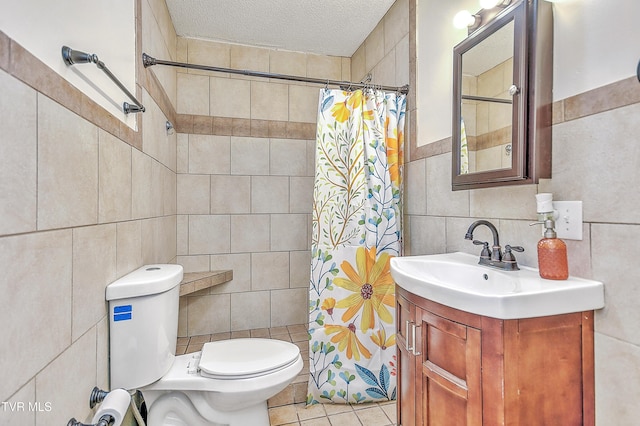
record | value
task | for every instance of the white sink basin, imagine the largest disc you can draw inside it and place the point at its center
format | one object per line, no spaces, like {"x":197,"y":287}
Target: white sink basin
{"x":456,"y":280}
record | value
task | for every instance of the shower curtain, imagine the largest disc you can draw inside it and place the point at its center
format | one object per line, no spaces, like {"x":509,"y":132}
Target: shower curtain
{"x":356,"y":230}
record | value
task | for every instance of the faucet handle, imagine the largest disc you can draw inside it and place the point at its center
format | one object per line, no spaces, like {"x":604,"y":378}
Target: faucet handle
{"x":485,"y":253}
{"x":509,"y":259}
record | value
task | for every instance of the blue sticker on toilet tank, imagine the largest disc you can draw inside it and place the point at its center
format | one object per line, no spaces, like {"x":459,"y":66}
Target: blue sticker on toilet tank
{"x":122,"y":313}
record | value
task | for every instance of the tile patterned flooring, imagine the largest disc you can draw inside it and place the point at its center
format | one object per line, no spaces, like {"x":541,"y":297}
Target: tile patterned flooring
{"x":288,"y":407}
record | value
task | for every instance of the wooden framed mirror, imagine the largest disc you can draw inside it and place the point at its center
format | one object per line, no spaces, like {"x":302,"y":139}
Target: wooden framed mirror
{"x":502,"y":83}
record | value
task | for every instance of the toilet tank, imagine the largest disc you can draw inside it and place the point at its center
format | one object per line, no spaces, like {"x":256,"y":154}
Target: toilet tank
{"x":143,"y":324}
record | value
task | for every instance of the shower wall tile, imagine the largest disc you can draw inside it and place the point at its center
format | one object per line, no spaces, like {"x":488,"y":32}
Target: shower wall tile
{"x":289,"y":232}
{"x":39,"y":261}
{"x":240,"y":263}
{"x":208,"y":314}
{"x":269,"y":101}
{"x":346,"y":69}
{"x":300,"y":194}
{"x":385,"y":71}
{"x":155,"y":140}
{"x":374,"y":47}
{"x":358,"y":64}
{"x":182,"y":153}
{"x":75,"y":372}
{"x":193,"y":94}
{"x":141,"y":182}
{"x":182,"y":235}
{"x":230,"y":194}
{"x":299,"y":268}
{"x":249,"y":156}
{"x":128,"y":246}
{"x":269,"y":271}
{"x":289,"y":306}
{"x":94,"y":267}
{"x":249,"y":233}
{"x":209,"y":234}
{"x":396,"y":25}
{"x":269,"y":194}
{"x":67,"y":167}
{"x":208,"y":53}
{"x":18,"y":156}
{"x":159,"y":239}
{"x":402,"y":63}
{"x":286,"y":62}
{"x":288,"y":157}
{"x":303,"y":103}
{"x":250,"y":310}
{"x":114,"y":179}
{"x":193,"y":194}
{"x":209,"y":154}
{"x":230,"y":97}
{"x":195,"y":263}
{"x":169,"y":192}
{"x":249,"y":58}
{"x":324,"y":67}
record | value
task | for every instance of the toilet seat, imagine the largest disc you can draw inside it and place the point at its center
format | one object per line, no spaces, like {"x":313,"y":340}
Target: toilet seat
{"x":246,"y":358}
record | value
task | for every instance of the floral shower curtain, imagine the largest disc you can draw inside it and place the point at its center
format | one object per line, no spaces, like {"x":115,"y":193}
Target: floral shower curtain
{"x":356,"y":230}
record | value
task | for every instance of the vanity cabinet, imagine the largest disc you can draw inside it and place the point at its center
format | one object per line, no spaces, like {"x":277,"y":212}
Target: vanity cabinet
{"x":458,"y":368}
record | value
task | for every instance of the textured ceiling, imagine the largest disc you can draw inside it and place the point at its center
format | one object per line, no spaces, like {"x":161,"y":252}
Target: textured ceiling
{"x":327,"y":27}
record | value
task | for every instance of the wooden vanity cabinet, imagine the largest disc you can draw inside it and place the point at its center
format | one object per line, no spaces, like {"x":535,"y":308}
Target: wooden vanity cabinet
{"x":458,"y":368}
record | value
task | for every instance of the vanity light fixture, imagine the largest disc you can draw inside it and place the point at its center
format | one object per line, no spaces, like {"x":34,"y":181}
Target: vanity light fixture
{"x":465,"y":19}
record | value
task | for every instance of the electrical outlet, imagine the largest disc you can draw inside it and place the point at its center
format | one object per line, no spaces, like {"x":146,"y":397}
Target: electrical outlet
{"x":569,"y":220}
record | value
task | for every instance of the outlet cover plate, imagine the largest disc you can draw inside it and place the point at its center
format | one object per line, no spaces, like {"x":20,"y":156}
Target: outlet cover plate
{"x":569,"y":220}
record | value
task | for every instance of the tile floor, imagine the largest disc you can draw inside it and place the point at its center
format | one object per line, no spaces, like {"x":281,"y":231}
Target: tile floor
{"x":288,"y":407}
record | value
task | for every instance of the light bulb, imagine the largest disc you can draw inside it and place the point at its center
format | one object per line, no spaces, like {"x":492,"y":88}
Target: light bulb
{"x":463,"y":19}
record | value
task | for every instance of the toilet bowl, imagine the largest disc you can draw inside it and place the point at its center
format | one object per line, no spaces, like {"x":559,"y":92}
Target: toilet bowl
{"x":227,"y":383}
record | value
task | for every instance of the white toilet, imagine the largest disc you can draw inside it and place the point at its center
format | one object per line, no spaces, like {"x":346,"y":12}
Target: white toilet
{"x":227,"y":383}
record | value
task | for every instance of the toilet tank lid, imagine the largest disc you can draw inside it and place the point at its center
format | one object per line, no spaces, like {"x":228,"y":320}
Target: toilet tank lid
{"x":149,"y":279}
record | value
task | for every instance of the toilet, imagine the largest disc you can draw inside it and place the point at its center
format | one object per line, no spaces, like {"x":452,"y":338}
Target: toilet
{"x":227,"y":383}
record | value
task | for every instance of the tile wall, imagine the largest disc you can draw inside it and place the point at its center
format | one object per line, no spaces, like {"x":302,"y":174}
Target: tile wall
{"x":245,"y":168}
{"x":83,"y":200}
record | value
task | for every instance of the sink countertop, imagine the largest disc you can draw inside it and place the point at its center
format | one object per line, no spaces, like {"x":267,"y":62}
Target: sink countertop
{"x":458,"y":281}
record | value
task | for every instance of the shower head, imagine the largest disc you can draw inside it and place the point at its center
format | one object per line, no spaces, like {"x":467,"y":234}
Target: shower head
{"x":71,"y":56}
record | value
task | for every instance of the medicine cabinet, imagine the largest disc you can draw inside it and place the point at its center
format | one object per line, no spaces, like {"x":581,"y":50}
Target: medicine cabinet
{"x":502,"y":89}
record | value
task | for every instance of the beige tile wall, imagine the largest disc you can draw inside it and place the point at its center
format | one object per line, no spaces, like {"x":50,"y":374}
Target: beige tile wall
{"x":245,"y":183}
{"x":83,"y":201}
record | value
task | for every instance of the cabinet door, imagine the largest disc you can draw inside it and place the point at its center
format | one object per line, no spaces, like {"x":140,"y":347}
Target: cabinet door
{"x":406,"y":396}
{"x":450,"y":371}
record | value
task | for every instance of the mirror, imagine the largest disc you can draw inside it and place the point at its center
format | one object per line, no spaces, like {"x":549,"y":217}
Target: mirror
{"x":493,"y":85}
{"x":486,"y":104}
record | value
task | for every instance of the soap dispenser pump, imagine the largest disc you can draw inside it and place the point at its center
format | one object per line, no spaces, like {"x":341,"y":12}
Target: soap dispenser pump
{"x":552,"y":254}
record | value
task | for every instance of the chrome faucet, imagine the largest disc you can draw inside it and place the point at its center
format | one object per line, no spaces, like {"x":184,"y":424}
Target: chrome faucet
{"x":493,"y":257}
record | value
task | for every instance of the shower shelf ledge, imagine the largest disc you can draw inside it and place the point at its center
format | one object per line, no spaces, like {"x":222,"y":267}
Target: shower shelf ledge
{"x":196,"y":281}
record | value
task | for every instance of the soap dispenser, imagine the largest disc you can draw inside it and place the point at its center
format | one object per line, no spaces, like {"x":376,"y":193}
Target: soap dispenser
{"x":552,"y":251}
{"x":552,"y":254}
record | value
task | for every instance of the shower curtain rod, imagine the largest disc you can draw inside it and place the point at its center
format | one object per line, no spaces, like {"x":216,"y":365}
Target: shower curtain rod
{"x":148,"y":61}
